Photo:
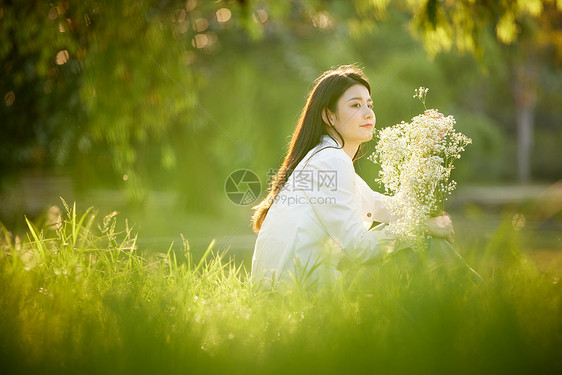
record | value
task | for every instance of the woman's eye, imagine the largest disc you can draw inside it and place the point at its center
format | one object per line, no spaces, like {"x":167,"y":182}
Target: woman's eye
{"x":358,"y":105}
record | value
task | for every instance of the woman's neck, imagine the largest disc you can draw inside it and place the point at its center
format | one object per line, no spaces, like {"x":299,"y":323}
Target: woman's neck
{"x":349,"y":148}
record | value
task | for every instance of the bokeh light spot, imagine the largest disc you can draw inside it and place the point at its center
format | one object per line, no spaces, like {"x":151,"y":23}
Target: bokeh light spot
{"x":211,"y":38}
{"x":179,"y":15}
{"x":223,"y":14}
{"x":260,"y":16}
{"x":200,"y":41}
{"x":323,"y":21}
{"x":201,"y":24}
{"x":62,"y":57}
{"x":190,"y":5}
{"x":518,"y":221}
{"x":9,"y":98}
{"x":53,"y":14}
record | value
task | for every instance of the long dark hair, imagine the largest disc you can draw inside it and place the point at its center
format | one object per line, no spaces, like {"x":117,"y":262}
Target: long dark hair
{"x":328,"y":88}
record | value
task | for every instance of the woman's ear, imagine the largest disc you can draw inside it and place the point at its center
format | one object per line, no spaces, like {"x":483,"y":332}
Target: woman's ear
{"x":325,"y":114}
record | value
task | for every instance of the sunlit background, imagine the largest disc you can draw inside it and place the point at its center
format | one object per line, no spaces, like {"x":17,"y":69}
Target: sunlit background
{"x":146,"y":108}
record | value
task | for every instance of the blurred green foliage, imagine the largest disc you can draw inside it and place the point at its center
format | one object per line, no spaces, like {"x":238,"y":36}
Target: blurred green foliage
{"x":175,"y":95}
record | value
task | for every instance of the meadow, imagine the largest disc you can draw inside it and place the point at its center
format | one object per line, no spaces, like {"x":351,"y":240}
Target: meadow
{"x":78,"y":297}
{"x":148,"y":107}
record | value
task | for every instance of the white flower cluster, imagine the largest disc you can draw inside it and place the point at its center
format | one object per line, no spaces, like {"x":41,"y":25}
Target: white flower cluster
{"x":416,"y":161}
{"x":421,"y":93}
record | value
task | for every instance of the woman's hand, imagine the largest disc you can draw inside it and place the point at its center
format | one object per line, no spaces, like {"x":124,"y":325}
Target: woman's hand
{"x":442,"y":227}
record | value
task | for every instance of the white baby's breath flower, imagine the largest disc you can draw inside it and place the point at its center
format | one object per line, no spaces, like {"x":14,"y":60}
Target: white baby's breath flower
{"x":416,"y":160}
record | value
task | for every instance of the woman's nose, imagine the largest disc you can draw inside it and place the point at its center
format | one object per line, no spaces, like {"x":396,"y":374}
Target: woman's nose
{"x":371,"y":115}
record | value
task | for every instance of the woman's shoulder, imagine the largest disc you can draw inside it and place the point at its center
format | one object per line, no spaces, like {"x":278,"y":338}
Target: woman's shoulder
{"x":332,"y":152}
{"x":328,"y":149}
{"x":327,"y":157}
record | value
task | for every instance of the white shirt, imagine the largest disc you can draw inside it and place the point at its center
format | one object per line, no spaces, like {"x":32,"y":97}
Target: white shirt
{"x":323,"y":213}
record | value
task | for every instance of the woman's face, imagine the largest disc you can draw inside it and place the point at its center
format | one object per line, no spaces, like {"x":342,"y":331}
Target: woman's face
{"x":354,"y":118}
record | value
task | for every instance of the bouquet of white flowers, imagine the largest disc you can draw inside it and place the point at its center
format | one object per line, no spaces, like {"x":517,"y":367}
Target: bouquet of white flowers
{"x":416,"y":161}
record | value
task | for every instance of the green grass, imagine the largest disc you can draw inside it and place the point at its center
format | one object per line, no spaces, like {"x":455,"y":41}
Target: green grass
{"x":79,"y":298}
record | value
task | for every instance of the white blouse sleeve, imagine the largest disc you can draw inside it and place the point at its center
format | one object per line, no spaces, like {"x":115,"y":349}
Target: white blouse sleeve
{"x":374,"y":203}
{"x":337,"y":206}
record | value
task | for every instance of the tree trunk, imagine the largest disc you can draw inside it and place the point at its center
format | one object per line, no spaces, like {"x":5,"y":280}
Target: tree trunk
{"x":525,"y":121}
{"x":525,"y":95}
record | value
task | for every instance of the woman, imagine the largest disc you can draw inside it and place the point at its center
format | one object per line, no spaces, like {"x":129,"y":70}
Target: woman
{"x":318,"y":211}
